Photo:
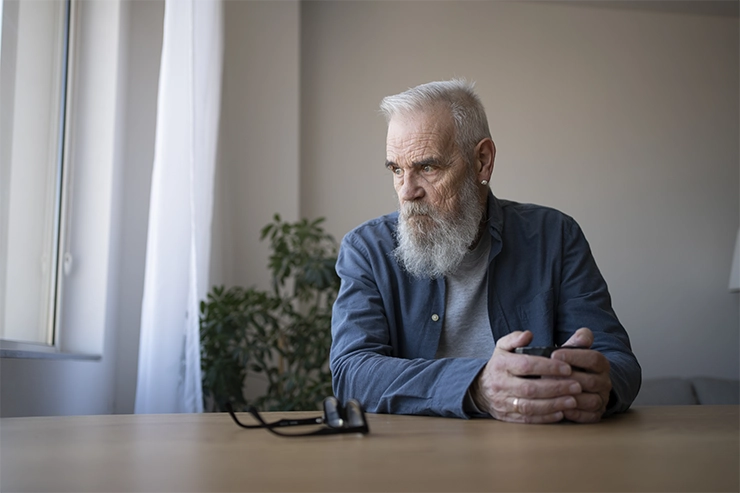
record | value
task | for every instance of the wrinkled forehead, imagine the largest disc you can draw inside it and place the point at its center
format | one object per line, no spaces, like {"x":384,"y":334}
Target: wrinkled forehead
{"x":413,"y":132}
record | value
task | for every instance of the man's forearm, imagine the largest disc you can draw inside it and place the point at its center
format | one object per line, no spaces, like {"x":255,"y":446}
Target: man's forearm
{"x":394,"y":385}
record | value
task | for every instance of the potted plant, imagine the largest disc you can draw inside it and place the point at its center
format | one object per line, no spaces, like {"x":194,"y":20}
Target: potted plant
{"x":283,"y":334}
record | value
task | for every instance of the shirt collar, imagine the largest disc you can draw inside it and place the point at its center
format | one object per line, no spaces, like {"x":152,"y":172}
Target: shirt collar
{"x":494,"y":215}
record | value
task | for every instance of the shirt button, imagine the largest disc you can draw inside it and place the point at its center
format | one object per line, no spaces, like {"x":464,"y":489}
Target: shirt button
{"x":435,"y":317}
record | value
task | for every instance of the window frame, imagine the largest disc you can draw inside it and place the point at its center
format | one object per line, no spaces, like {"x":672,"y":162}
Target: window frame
{"x":61,"y":259}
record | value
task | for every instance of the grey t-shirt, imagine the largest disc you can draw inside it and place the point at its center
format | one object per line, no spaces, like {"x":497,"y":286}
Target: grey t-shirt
{"x":466,"y":330}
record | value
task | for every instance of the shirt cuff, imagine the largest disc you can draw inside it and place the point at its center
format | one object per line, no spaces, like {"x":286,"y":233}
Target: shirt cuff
{"x":471,"y":409}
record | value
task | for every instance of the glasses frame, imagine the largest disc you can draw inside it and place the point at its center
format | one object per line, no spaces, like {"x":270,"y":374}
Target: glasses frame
{"x":337,"y":418}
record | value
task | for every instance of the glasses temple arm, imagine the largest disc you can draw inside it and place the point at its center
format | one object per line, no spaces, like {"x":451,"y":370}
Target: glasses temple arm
{"x":282,"y":422}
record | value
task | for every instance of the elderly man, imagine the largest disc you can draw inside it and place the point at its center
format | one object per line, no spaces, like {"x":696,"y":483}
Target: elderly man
{"x":435,"y":298}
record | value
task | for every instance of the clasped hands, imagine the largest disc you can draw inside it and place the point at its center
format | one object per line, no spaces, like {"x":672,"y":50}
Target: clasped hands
{"x":574,"y":383}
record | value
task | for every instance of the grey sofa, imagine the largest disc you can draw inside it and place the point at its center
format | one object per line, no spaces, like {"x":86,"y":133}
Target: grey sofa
{"x":687,"y":391}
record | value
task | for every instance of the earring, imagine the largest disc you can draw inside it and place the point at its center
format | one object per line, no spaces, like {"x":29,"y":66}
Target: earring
{"x":484,"y":182}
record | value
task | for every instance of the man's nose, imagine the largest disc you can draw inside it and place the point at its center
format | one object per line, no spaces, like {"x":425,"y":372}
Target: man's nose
{"x":411,"y":189}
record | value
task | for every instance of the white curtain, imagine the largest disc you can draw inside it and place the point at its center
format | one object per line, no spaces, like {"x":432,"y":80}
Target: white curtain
{"x":180,"y":210}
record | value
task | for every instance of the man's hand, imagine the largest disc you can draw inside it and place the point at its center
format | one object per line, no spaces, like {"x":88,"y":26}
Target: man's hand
{"x":591,"y":371}
{"x":502,"y":389}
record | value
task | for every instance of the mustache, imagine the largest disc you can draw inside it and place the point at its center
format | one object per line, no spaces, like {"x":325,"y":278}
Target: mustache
{"x":409,"y":209}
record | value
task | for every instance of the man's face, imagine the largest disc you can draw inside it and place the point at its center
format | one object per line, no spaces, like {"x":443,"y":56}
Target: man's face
{"x":427,"y":166}
{"x":440,"y":206}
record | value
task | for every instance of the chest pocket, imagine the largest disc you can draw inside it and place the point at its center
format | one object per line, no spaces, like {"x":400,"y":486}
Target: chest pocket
{"x":538,"y":316}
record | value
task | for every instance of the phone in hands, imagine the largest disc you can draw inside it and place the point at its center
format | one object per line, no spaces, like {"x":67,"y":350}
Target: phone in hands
{"x":545,"y":351}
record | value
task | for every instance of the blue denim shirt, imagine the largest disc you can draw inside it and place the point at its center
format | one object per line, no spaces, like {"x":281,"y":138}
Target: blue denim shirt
{"x":386,"y":324}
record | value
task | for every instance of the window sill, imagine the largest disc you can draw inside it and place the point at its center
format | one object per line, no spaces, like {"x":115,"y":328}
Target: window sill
{"x":10,"y":349}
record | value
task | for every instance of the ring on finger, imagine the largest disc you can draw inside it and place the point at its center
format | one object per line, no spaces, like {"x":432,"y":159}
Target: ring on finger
{"x":516,"y":405}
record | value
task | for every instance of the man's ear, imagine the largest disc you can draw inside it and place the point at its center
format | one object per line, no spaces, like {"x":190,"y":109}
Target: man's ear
{"x":485,"y":154}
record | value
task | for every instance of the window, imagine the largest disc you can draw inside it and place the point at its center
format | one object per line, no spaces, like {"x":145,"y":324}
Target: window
{"x":33,"y":72}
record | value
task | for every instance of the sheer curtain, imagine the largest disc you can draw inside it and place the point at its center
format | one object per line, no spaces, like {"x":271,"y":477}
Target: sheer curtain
{"x":181,"y":202}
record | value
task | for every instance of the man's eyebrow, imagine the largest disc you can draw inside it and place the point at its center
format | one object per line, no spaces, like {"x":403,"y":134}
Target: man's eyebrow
{"x":430,"y":161}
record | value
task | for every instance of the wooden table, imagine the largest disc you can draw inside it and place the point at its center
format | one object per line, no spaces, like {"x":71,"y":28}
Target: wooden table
{"x":690,"y":448}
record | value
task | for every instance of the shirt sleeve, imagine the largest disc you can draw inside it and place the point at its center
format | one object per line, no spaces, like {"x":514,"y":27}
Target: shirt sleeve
{"x":362,"y":359}
{"x":584,"y":301}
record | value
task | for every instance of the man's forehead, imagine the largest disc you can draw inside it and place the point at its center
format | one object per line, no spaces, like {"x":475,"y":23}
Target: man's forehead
{"x":431,"y":128}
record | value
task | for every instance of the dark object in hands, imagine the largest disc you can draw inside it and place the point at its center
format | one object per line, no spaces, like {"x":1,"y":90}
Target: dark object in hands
{"x":545,"y":351}
{"x":337,"y":418}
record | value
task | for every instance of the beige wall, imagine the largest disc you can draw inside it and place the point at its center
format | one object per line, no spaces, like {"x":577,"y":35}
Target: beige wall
{"x":258,"y":171}
{"x":625,"y":119}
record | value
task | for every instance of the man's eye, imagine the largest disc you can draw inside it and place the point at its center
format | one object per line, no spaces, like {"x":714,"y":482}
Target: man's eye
{"x":427,"y":169}
{"x":397,"y":171}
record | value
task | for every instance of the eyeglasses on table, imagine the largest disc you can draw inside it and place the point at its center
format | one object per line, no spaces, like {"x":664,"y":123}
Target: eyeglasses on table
{"x":336,"y":418}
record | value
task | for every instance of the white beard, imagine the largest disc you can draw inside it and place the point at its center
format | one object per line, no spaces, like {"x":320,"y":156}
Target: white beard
{"x":433,"y":245}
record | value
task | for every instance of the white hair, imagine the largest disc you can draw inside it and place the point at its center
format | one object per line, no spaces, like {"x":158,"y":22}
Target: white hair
{"x":468,"y":114}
